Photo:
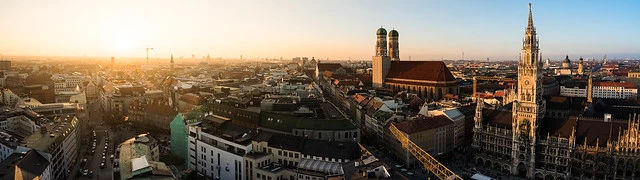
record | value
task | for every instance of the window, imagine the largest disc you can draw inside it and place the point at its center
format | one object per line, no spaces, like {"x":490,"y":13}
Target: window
{"x":279,"y":152}
{"x":296,"y":155}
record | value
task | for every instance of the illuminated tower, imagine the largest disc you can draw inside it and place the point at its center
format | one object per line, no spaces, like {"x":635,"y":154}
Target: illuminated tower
{"x":381,"y":61}
{"x":580,"y":66}
{"x":394,"y":49}
{"x":528,"y":109}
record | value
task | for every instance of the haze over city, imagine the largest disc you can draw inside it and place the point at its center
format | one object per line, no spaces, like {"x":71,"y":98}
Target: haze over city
{"x":337,"y":30}
{"x":319,"y":90}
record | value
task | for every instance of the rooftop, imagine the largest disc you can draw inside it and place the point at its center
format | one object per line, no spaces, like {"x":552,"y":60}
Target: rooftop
{"x":422,"y":124}
{"x":32,"y":165}
{"x":628,"y":85}
{"x":50,"y":133}
{"x":7,"y":167}
{"x":339,"y":150}
{"x":132,"y":149}
{"x":497,"y":118}
{"x":420,"y":70}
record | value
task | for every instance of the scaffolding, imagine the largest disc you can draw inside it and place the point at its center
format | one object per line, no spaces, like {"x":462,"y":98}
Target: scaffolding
{"x":429,"y":163}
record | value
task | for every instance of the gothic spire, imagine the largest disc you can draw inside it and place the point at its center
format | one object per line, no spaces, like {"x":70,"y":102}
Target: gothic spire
{"x":530,"y":26}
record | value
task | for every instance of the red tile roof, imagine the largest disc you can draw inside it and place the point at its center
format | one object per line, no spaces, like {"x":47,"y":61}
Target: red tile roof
{"x":628,"y":85}
{"x":420,"y":70}
{"x":423,"y":124}
{"x":420,"y":83}
{"x":597,"y":132}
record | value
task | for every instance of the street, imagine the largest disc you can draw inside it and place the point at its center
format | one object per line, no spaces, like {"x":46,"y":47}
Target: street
{"x":94,"y":132}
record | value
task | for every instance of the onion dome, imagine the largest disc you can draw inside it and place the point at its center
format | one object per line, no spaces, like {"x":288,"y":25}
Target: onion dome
{"x":382,"y":31}
{"x":393,"y":33}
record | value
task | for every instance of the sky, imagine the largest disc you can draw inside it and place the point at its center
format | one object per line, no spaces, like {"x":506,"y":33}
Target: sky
{"x":328,"y":29}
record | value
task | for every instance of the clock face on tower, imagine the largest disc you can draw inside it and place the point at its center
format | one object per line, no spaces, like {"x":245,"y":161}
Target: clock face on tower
{"x":527,"y":83}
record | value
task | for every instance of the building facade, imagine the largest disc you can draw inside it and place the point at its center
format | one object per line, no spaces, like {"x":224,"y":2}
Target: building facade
{"x":615,"y":90}
{"x":519,"y":139}
{"x":58,"y":143}
{"x":217,"y":148}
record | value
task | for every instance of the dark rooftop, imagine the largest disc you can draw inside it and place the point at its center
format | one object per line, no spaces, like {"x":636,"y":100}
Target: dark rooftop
{"x":497,"y":118}
{"x":32,"y":165}
{"x":7,"y":167}
{"x":597,"y":132}
{"x":322,"y":148}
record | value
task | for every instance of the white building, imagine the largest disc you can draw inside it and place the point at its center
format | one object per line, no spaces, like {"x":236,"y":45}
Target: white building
{"x":615,"y":90}
{"x":574,"y":89}
{"x":69,"y":83}
{"x":217,"y":148}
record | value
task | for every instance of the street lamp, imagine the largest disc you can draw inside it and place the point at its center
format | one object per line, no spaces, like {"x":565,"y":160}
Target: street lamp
{"x":147,"y":49}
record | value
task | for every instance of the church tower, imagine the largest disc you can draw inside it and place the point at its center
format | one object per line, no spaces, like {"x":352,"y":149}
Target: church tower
{"x":580,"y":66}
{"x":529,"y":108}
{"x":394,"y":49}
{"x":381,"y":61}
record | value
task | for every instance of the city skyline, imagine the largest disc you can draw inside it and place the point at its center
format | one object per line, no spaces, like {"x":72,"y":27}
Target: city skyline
{"x":335,"y":30}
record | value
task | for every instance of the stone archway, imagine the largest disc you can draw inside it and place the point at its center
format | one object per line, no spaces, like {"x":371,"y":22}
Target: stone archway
{"x":521,"y":170}
{"x":479,"y":161}
{"x":549,"y":177}
{"x":539,"y":176}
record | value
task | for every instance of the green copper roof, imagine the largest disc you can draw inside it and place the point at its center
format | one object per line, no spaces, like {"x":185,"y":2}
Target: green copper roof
{"x":382,"y":31}
{"x":393,"y":33}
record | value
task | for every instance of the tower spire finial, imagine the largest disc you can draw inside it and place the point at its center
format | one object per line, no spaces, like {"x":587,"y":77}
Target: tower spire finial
{"x":530,"y":25}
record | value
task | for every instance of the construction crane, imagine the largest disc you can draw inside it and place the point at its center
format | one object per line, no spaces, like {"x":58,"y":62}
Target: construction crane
{"x":427,"y":160}
{"x":486,"y":78}
{"x":147,"y":49}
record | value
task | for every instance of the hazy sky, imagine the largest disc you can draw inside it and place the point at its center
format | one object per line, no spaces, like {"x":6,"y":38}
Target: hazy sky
{"x":337,"y":29}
